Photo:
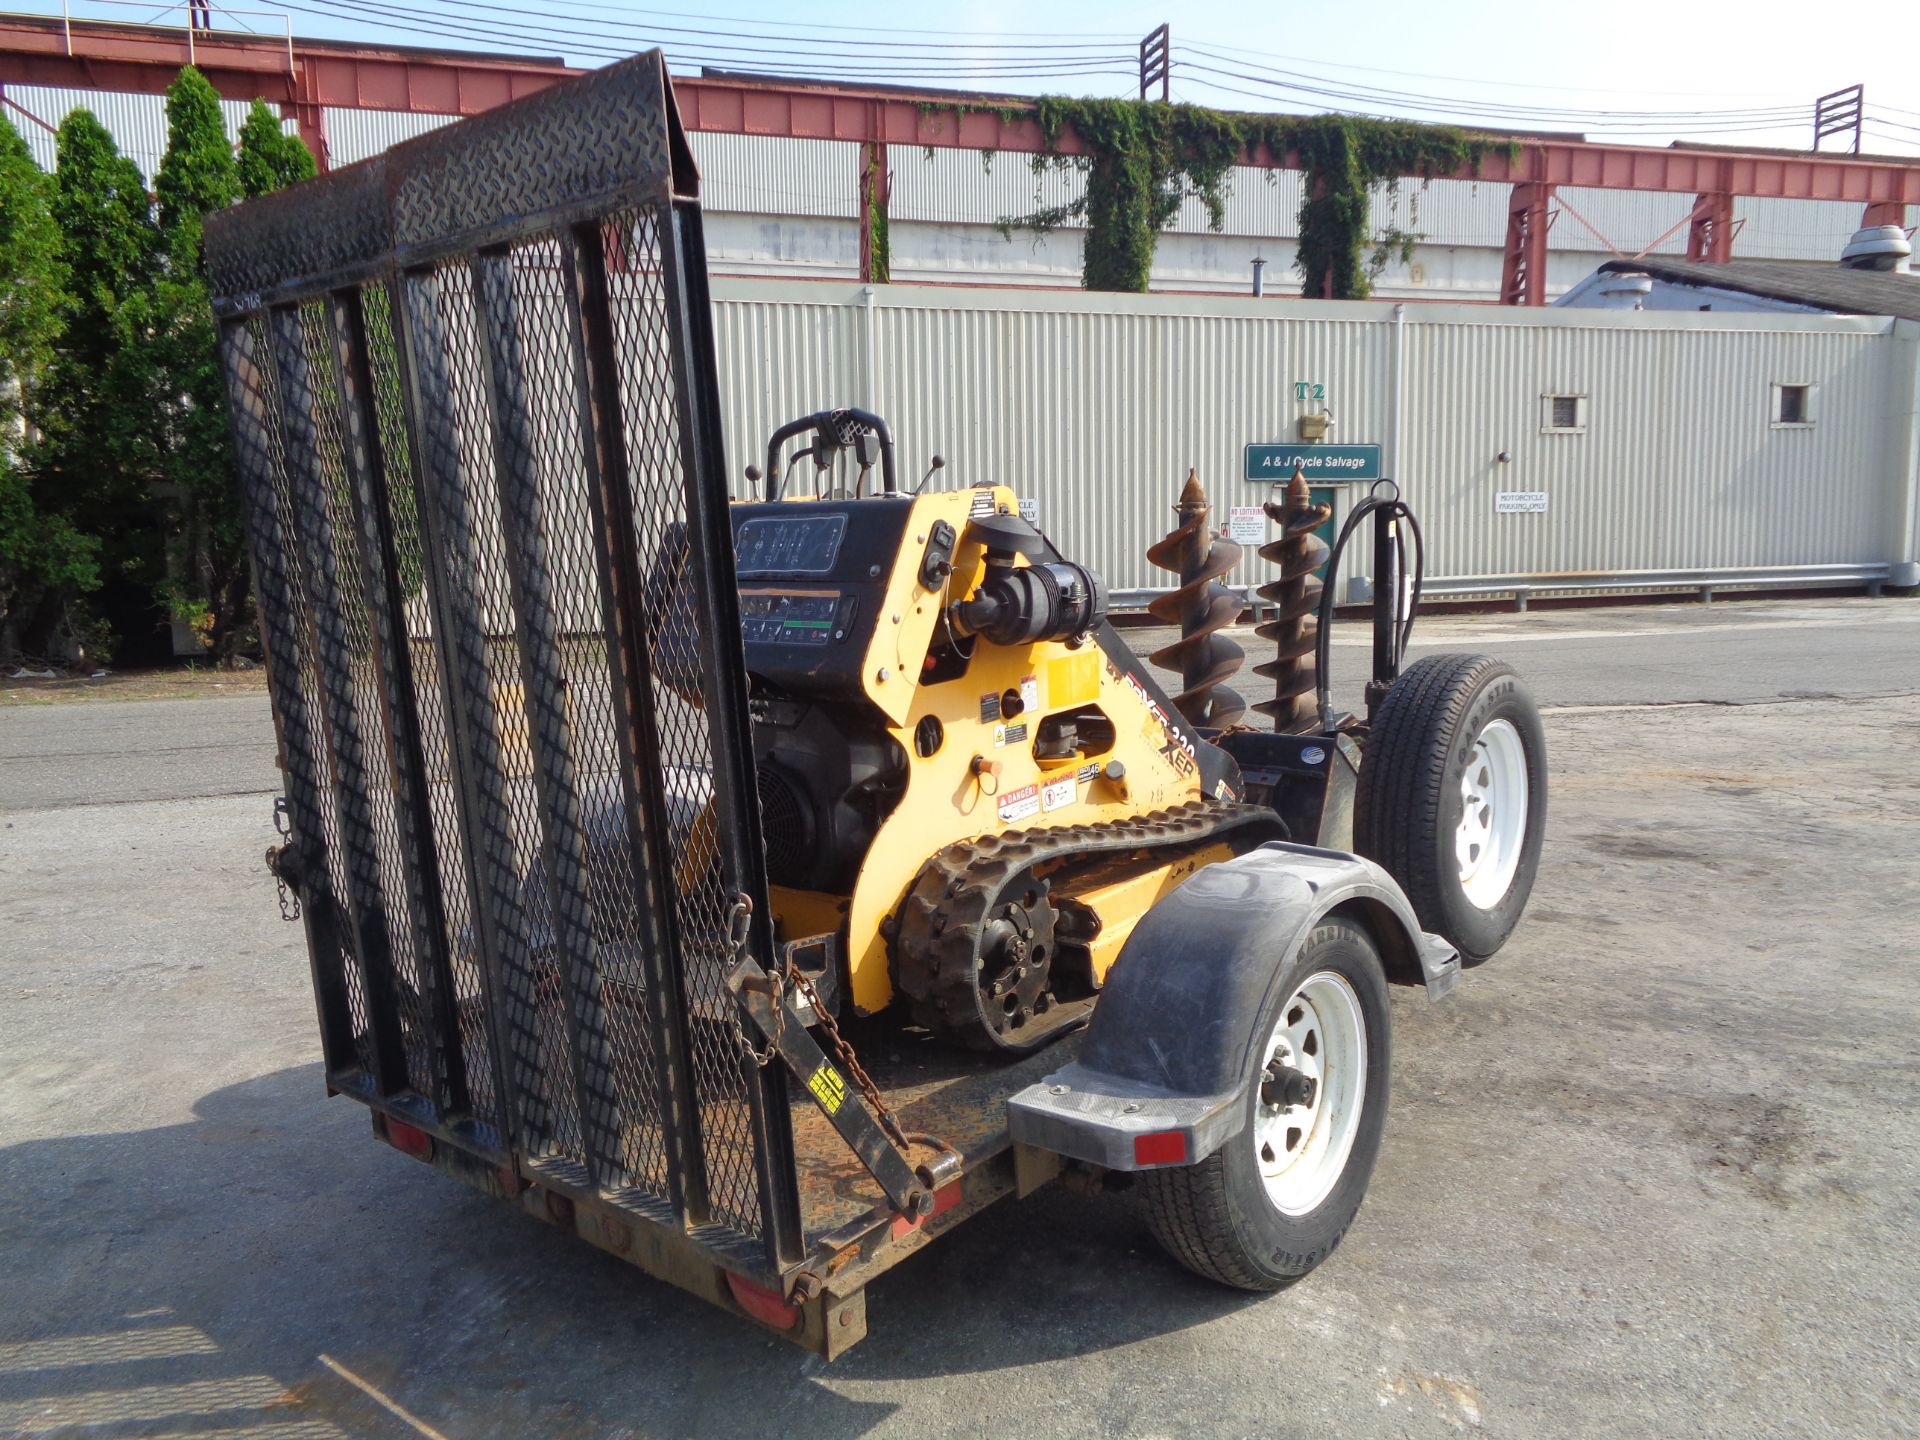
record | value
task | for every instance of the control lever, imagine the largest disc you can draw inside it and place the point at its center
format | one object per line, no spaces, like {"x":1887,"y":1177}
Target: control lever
{"x":938,"y":464}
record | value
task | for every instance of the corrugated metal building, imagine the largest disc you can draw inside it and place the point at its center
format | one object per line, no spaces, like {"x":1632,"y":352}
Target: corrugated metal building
{"x":1095,"y":405}
{"x":782,"y":207}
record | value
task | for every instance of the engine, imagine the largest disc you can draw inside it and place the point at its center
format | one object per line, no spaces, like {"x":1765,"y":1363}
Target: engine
{"x":827,"y":779}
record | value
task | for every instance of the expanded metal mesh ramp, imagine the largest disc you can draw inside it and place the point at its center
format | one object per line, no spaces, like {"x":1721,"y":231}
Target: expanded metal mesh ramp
{"x":471,"y":385}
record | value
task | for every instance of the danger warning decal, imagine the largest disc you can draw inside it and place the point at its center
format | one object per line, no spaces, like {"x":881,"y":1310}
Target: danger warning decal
{"x":1020,"y":804}
{"x":1057,"y":793}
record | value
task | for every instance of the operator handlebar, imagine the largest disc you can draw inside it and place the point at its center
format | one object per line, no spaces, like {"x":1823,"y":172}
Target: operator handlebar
{"x":835,"y":428}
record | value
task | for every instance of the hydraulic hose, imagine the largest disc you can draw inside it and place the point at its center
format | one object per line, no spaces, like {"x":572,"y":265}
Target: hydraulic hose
{"x":1398,"y":510}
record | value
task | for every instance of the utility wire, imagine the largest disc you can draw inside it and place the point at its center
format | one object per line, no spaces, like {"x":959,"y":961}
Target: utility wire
{"x":1314,"y":85}
{"x":951,"y":68}
{"x":476,"y":14}
{"x":847,"y":56}
{"x":1237,"y":52}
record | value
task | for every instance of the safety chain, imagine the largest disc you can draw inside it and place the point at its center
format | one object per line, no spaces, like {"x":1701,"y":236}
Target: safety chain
{"x":277,"y":857}
{"x":778,"y":981}
{"x":843,"y":1052}
{"x":739,"y":926}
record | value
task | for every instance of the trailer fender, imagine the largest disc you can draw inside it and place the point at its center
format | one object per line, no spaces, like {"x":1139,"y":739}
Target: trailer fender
{"x":1169,"y":1049}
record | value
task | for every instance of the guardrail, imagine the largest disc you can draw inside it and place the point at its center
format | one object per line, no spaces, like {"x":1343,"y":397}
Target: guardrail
{"x":1522,"y":587}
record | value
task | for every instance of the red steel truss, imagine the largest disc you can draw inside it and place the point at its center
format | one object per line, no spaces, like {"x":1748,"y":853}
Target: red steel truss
{"x":306,"y":77}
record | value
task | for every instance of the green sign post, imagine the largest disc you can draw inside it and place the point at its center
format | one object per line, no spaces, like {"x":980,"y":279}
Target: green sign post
{"x":1322,"y":464}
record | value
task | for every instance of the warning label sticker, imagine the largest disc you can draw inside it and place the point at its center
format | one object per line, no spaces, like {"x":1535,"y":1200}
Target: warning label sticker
{"x":1020,"y":804}
{"x":829,"y":1087}
{"x":1029,"y":692}
{"x":1056,"y":793}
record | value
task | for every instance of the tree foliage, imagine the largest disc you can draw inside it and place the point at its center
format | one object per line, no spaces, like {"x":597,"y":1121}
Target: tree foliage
{"x":43,"y":555}
{"x":197,"y":174}
{"x":1143,"y":159}
{"x":31,"y":277}
{"x":94,"y":462}
{"x":119,"y":510}
{"x":206,"y":584}
{"x":270,"y":159}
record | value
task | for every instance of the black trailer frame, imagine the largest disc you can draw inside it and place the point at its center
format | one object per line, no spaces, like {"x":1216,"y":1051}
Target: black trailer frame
{"x":472,"y":393}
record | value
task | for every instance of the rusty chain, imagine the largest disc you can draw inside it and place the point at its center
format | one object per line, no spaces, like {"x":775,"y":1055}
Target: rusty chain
{"x":778,"y":981}
{"x":842,"y":1051}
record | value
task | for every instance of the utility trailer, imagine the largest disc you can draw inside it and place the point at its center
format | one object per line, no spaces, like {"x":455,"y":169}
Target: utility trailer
{"x":528,"y":704}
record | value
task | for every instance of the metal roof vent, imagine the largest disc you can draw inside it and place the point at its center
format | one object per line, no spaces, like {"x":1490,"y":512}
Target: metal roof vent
{"x":1878,"y":247}
{"x":1625,"y":290}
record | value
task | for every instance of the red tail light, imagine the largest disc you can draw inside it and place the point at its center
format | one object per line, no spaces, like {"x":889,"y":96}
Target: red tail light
{"x":1163,"y":1147}
{"x":410,"y":1138}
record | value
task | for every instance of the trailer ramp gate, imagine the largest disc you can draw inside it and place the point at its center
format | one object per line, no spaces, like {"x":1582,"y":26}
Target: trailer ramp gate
{"x":472,"y":393}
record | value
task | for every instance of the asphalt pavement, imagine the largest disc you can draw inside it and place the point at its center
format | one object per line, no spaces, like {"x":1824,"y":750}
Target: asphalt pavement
{"x":1654,"y":1169}
{"x":105,"y":752}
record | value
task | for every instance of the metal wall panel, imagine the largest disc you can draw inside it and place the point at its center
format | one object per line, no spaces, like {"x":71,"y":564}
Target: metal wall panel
{"x":1096,"y":405}
{"x":354,"y":135}
{"x":1679,"y":466}
{"x":768,"y":175}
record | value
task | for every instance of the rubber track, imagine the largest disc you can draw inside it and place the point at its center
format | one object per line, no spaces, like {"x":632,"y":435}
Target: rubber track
{"x":936,"y":948}
{"x":1403,"y":776}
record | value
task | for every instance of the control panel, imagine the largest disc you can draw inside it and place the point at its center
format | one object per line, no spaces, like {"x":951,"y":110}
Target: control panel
{"x":788,"y":545}
{"x":795,"y":617}
{"x":813,"y":577}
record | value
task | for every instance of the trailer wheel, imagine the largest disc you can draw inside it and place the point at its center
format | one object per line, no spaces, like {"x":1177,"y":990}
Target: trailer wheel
{"x":1452,"y":797}
{"x":1273,"y":1202}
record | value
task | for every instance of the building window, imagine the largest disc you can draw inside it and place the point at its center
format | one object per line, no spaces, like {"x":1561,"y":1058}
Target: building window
{"x":1563,"y":414}
{"x":1793,"y":406}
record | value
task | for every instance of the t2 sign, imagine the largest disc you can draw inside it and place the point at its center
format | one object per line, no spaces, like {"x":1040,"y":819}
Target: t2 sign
{"x":1309,"y":390}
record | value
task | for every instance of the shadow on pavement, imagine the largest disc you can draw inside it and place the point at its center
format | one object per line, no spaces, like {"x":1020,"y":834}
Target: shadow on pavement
{"x":188,"y":1279}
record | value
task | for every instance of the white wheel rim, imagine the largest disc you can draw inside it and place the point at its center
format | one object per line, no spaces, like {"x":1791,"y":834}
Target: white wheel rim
{"x":1493,"y":814}
{"x":1302,"y":1149}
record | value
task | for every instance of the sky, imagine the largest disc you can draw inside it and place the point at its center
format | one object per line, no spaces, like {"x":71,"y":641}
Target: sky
{"x":1718,"y":73}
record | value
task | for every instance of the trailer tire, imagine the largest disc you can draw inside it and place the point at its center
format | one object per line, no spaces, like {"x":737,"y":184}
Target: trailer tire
{"x":1445,"y":716}
{"x":1248,"y":1216}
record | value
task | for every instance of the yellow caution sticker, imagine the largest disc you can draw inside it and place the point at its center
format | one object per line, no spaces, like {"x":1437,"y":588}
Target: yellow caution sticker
{"x":828,"y":1087}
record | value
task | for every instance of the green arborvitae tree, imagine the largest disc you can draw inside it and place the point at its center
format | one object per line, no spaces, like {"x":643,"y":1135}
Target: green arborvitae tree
{"x":270,"y":159}
{"x":93,"y":460}
{"x":44,"y":558}
{"x":207,"y":580}
{"x":31,"y":279}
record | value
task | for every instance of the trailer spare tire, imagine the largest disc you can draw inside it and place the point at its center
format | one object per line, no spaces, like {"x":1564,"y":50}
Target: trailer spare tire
{"x":1271,"y":1203}
{"x":1452,"y":797}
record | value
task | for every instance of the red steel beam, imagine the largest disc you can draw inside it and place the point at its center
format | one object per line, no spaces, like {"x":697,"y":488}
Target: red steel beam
{"x":143,"y":60}
{"x":37,"y":51}
{"x":805,"y":111}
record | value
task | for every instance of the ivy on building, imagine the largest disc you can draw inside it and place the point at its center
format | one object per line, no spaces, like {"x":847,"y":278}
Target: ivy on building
{"x":1143,"y":159}
{"x":881,"y":255}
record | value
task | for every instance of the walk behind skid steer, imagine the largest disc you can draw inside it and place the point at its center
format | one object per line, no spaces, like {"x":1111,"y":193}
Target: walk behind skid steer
{"x":758,"y":890}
